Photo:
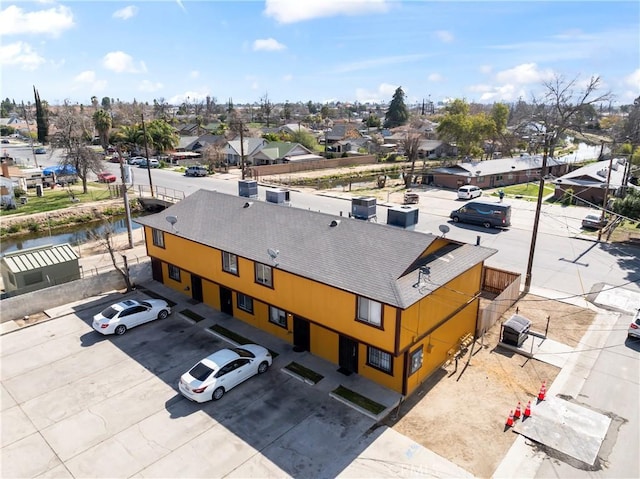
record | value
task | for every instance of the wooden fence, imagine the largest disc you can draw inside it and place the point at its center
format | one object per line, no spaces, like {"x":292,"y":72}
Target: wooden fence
{"x":294,"y":166}
{"x":507,"y":285}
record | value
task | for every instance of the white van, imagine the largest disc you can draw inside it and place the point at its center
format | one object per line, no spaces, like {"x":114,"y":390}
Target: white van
{"x":196,"y":171}
{"x":469,"y":192}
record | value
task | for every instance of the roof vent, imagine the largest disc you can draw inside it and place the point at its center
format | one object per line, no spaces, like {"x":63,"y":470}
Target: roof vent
{"x":248,"y":204}
{"x":334,"y":223}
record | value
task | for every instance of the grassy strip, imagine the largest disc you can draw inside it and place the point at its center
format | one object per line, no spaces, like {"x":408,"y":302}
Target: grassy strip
{"x":57,"y":199}
{"x":306,"y":373}
{"x":235,"y":337}
{"x":359,"y":400}
{"x":190,"y":314}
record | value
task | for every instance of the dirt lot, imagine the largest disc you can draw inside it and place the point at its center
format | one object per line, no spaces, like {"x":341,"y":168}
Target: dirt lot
{"x":469,"y":407}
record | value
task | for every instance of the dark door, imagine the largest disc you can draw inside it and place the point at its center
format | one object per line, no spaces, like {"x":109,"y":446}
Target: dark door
{"x":348,"y":354}
{"x":301,"y":334}
{"x":196,"y":287}
{"x":156,"y":270}
{"x":226,"y":301}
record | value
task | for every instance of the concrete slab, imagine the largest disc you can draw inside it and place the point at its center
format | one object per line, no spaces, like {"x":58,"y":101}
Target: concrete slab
{"x":618,"y":298}
{"x":15,"y":426}
{"x":57,"y":472}
{"x":543,"y":349}
{"x":28,"y":457}
{"x":393,"y":455}
{"x":566,"y":427}
{"x":6,"y":399}
{"x":8,"y":327}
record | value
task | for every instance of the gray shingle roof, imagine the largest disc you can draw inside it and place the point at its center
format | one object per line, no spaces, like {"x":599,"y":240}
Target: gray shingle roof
{"x":364,"y":258}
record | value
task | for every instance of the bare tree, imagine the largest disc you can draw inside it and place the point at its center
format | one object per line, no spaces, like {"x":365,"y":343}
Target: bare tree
{"x":107,"y":243}
{"x":411,"y":146}
{"x":266,"y":107}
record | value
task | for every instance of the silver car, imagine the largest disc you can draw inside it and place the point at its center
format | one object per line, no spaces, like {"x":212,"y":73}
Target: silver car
{"x":634,"y":327}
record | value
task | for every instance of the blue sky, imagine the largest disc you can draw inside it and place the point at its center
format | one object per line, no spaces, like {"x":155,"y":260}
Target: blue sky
{"x":318,"y":50}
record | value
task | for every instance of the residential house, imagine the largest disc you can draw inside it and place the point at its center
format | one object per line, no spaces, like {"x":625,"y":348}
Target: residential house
{"x":389,"y":304}
{"x":590,"y":183}
{"x":233,"y":152}
{"x":275,"y":152}
{"x":340,"y":132}
{"x":495,"y":173}
{"x":432,"y":149}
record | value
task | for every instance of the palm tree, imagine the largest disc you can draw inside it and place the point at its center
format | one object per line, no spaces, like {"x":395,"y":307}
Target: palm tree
{"x":102,"y":122}
{"x":162,"y":136}
{"x":129,"y":136}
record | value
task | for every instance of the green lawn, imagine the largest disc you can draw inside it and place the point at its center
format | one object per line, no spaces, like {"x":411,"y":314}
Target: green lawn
{"x":57,"y":199}
{"x":526,"y":190}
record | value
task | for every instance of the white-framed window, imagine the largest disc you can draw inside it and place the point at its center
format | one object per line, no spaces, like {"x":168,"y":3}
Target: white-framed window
{"x":369,"y":311}
{"x":416,"y":360}
{"x":277,"y":316}
{"x":158,"y":238}
{"x":379,"y":359}
{"x":230,"y":263}
{"x":245,"y":303}
{"x":263,"y":274}
{"x":174,"y":272}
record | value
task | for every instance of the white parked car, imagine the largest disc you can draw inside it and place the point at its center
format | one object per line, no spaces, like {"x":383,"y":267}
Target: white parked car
{"x":218,"y":373}
{"x":468,"y":192}
{"x":634,"y":327}
{"x":120,"y":317}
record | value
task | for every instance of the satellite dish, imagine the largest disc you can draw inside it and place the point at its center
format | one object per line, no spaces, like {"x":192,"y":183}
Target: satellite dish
{"x":274,"y":254}
{"x":172,"y":220}
{"x":444,"y":229}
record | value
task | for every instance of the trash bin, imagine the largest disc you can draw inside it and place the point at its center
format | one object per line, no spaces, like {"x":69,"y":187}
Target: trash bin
{"x":39,"y":191}
{"x":23,"y":200}
{"x":515,"y":330}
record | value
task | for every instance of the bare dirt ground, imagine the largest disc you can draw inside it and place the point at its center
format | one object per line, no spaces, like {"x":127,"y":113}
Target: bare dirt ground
{"x":467,"y":408}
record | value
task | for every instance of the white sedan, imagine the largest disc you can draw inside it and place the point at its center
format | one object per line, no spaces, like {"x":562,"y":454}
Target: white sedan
{"x":120,"y":317}
{"x":223,"y":370}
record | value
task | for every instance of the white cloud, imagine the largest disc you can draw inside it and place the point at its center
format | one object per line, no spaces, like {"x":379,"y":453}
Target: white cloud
{"x":53,"y":21}
{"x":87,"y":80}
{"x":382,"y":95}
{"x":194,"y":74}
{"x":287,"y":78}
{"x":20,"y":54}
{"x":633,"y":80}
{"x":444,"y":36}
{"x":149,"y":86}
{"x":486,"y":69}
{"x":524,"y":74}
{"x":126,"y":13}
{"x":435,"y":77}
{"x":292,"y":11}
{"x":190,"y":96}
{"x":120,"y":62}
{"x":267,"y":44}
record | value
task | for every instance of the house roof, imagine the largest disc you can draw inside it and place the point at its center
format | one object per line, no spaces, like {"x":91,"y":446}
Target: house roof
{"x":596,"y":174}
{"x":367,"y":259}
{"x":275,"y":150}
{"x":250,"y":145}
{"x":40,"y":257}
{"x":494,"y":167}
{"x":340,"y":131}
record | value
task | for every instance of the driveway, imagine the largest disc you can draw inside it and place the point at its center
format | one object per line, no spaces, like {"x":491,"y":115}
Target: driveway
{"x":78,"y":404}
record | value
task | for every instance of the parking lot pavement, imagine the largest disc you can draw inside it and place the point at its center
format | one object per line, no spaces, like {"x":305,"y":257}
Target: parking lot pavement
{"x":79,"y":404}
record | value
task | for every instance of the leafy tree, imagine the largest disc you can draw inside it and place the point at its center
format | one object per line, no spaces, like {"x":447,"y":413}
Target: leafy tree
{"x":305,"y":138}
{"x":106,"y":103}
{"x":313,"y":109}
{"x":324,"y":111}
{"x":397,"y":114}
{"x":162,"y":136}
{"x":6,"y":107}
{"x":286,"y":111}
{"x":372,"y":121}
{"x":628,"y":206}
{"x":130,"y":137}
{"x":42,"y":118}
{"x":102,"y":122}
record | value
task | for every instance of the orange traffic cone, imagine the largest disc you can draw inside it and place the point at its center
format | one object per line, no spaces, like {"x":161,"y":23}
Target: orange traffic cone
{"x":518,"y":412}
{"x":527,"y":410}
{"x":543,"y":391}
{"x":510,"y":419}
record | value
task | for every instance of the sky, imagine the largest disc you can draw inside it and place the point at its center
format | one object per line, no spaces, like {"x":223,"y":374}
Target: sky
{"x":314,"y":50}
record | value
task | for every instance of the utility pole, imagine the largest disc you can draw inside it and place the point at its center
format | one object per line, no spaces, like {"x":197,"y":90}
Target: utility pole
{"x":127,"y":208}
{"x":146,"y":152}
{"x":606,"y":198}
{"x":548,"y":136}
{"x":242,"y":149}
